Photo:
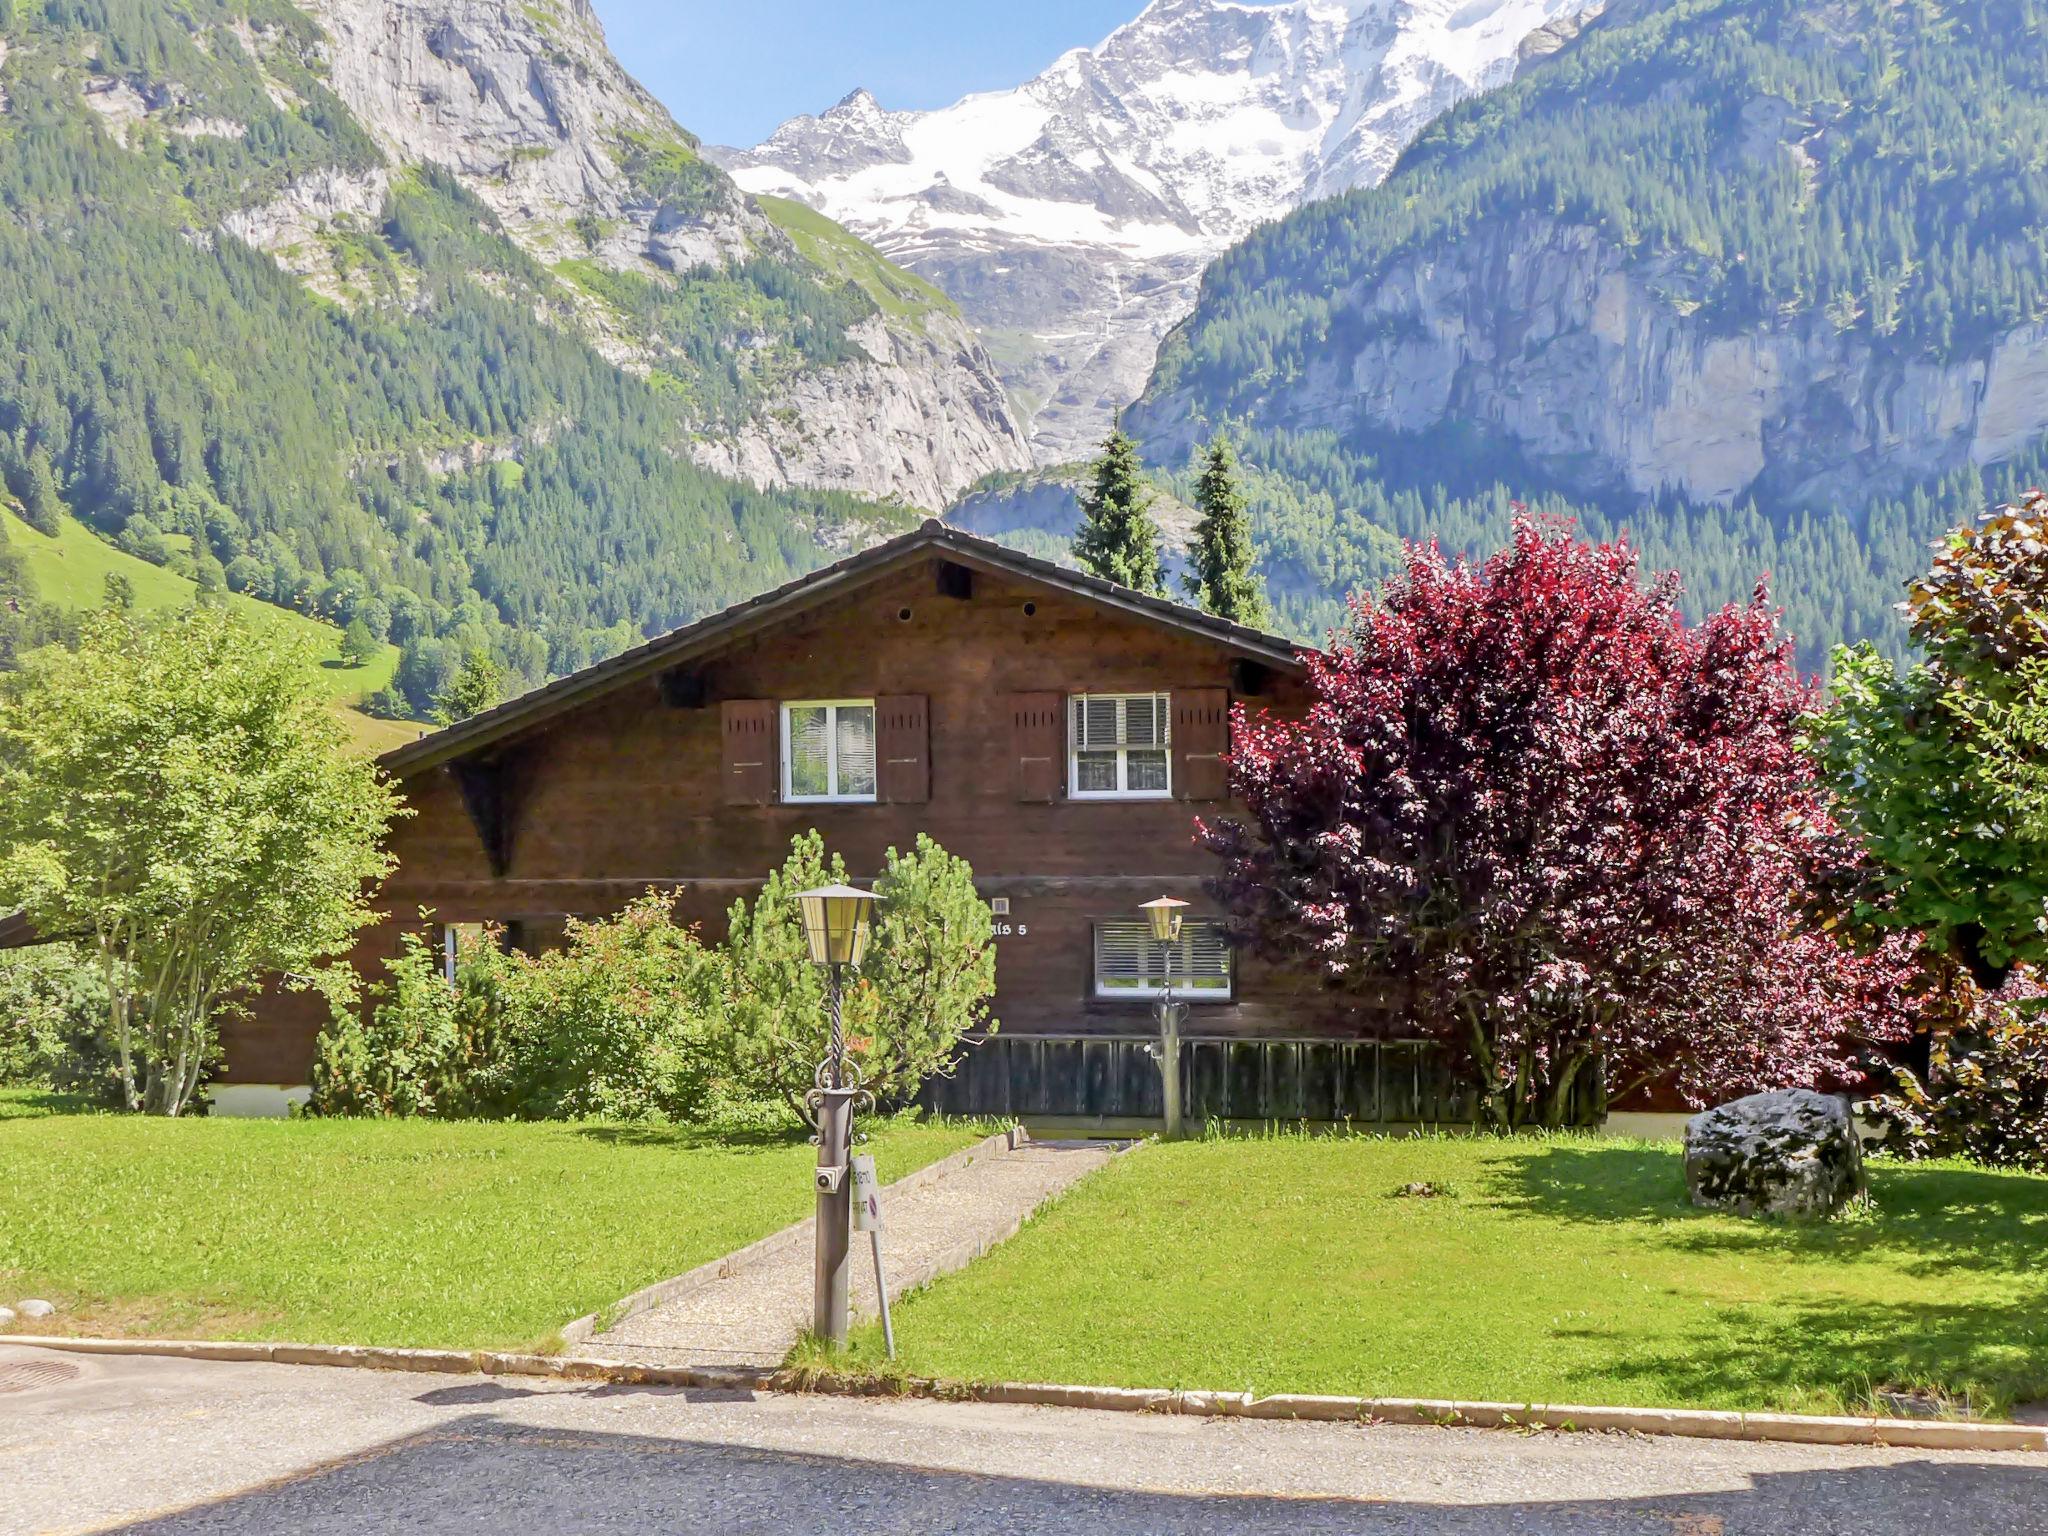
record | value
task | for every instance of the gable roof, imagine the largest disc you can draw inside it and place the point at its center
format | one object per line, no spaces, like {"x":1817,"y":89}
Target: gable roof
{"x":529,"y":710}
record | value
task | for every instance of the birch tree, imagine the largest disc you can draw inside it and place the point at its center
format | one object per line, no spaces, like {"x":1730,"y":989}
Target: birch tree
{"x":177,"y":799}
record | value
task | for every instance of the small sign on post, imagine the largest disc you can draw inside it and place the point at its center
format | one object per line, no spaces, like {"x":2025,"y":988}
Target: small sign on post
{"x":867,"y":1217}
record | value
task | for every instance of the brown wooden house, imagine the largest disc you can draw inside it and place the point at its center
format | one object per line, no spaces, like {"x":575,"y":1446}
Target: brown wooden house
{"x":1060,"y":733}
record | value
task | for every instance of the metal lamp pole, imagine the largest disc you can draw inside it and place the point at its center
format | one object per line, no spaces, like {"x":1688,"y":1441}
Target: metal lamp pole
{"x":836,"y":923}
{"x":1165,"y":918}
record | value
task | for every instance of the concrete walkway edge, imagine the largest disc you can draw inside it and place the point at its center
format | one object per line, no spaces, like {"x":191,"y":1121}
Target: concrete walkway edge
{"x":1699,"y":1424}
{"x":584,"y":1328}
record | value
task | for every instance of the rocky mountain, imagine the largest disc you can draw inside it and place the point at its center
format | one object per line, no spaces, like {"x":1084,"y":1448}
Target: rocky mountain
{"x":420,"y":311}
{"x":1759,"y":279}
{"x":525,"y":104}
{"x":1073,"y":216}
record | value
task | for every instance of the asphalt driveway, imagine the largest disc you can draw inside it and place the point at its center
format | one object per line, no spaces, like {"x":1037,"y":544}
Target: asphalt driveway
{"x":162,"y":1446}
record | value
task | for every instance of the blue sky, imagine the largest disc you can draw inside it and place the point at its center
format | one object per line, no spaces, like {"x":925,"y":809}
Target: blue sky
{"x":730,"y":70}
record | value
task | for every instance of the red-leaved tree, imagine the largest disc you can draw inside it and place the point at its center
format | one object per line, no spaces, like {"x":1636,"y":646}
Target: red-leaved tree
{"x":1567,"y":824}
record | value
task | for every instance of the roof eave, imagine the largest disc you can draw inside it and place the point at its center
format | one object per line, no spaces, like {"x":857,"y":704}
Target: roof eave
{"x":666,"y":652}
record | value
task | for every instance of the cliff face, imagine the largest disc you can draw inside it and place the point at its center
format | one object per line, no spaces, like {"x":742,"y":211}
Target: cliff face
{"x":1546,"y":336}
{"x":525,"y":104}
{"x":1072,"y":216}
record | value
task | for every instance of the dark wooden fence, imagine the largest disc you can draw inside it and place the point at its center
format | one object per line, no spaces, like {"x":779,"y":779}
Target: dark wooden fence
{"x":1116,"y":1078}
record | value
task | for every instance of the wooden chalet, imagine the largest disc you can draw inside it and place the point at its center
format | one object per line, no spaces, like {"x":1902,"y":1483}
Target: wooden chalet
{"x":1060,"y":733}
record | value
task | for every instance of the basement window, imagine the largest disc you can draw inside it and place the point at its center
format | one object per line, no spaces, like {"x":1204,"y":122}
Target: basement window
{"x":1121,"y":746}
{"x":1129,"y":962}
{"x":828,"y":751}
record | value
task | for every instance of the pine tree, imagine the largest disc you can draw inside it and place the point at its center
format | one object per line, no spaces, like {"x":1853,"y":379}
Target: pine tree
{"x":1117,"y":539}
{"x":42,"y":508}
{"x":1222,"y":580}
{"x":478,"y":686}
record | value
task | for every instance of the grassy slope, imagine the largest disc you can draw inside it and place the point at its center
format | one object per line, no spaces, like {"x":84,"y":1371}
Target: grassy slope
{"x":71,"y":570}
{"x":826,"y":245}
{"x":1571,"y":1271}
{"x":393,"y":1233}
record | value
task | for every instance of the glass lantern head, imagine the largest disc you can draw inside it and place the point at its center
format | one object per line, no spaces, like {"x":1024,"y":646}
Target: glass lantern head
{"x":837,"y":919}
{"x":1164,"y":915}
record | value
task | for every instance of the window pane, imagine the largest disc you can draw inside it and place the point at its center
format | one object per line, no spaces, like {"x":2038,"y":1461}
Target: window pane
{"x":1095,"y":773}
{"x":809,"y":760}
{"x":1147,"y":771}
{"x":856,"y":750}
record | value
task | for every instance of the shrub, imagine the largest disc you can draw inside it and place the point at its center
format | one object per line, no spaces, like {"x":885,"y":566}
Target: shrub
{"x":924,"y":987}
{"x":1985,"y":1093}
{"x":53,"y":1010}
{"x":618,"y":1024}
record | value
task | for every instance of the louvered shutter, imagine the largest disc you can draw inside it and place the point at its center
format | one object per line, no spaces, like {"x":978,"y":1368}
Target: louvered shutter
{"x":903,"y":726}
{"x":1129,"y":960}
{"x":1201,"y":738}
{"x":1035,"y":745}
{"x":748,"y":726}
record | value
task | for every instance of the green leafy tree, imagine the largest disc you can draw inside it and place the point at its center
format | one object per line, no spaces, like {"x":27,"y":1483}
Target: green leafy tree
{"x":478,"y":685}
{"x":118,"y":592}
{"x":42,"y":506}
{"x":358,"y":645}
{"x":922,"y":990}
{"x":177,"y":796}
{"x":1117,"y":539}
{"x":1936,"y":771}
{"x":1222,"y":580}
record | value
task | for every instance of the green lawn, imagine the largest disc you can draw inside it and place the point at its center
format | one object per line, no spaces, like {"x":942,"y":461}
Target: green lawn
{"x":391,"y":1233}
{"x":71,"y":570}
{"x":1562,"y":1271}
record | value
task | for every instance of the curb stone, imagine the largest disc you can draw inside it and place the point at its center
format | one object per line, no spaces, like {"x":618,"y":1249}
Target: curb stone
{"x":1699,"y":1424}
{"x":588,"y":1326}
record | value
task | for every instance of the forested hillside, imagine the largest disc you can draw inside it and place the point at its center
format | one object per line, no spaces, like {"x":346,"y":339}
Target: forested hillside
{"x":1762,"y":280}
{"x":435,"y":446}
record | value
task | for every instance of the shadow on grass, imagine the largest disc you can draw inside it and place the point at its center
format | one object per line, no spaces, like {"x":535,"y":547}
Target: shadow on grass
{"x":40,"y":1104}
{"x":696,"y":1138}
{"x":1927,"y":1220}
{"x":1989,"y":1355}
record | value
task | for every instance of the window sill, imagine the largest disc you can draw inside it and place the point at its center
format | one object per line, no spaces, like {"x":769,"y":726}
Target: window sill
{"x":829,"y":800}
{"x":1085,"y":796}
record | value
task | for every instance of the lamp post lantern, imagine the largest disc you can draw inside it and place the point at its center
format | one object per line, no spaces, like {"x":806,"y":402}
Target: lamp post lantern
{"x":837,"y":920}
{"x":1164,"y":915}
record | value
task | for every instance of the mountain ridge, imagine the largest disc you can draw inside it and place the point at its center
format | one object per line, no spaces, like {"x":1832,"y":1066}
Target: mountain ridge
{"x":1072,"y":215}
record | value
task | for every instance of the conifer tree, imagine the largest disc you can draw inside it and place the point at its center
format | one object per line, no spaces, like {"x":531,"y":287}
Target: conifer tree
{"x":478,"y":686}
{"x":1117,"y":539}
{"x":1222,"y":580}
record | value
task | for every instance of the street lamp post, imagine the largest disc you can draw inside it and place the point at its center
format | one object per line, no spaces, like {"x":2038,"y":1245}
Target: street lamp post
{"x":836,"y":923}
{"x":1165,"y":918}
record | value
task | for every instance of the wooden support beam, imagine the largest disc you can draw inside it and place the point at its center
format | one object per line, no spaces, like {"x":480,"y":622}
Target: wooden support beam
{"x":955,"y":581}
{"x":483,"y":795}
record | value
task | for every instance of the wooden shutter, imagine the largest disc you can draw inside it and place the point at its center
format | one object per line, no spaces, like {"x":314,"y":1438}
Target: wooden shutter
{"x":1201,"y":737}
{"x":1036,"y":745}
{"x":750,"y":756}
{"x":903,"y":735}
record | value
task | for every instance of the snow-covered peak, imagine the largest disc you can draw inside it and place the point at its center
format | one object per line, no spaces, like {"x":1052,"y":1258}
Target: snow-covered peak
{"x":1144,"y":156}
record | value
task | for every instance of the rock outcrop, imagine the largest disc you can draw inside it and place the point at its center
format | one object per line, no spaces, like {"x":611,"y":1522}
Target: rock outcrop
{"x":1073,"y":216}
{"x":1550,"y":338}
{"x":525,"y":104}
{"x":1792,"y":1153}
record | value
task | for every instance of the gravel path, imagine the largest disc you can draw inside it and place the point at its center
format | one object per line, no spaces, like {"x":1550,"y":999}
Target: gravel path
{"x":178,"y":1448}
{"x":752,"y":1316}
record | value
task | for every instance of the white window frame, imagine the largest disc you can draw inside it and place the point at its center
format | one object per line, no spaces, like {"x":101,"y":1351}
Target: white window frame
{"x":1182,"y":991}
{"x":789,"y":795}
{"x":1123,"y":759}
